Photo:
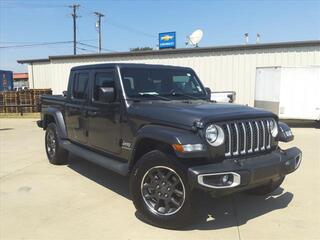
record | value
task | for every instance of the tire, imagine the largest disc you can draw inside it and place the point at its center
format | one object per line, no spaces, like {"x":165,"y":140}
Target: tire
{"x":266,"y":189}
{"x":55,"y":153}
{"x":160,"y":173}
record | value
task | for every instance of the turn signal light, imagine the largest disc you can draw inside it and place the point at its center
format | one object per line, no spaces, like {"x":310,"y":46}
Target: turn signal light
{"x":187,"y":147}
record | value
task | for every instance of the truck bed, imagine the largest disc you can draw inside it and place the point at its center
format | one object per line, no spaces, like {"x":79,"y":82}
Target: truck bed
{"x":53,"y":101}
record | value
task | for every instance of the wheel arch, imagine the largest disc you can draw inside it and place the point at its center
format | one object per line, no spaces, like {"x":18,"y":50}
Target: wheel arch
{"x":54,"y":115}
{"x":156,"y":137}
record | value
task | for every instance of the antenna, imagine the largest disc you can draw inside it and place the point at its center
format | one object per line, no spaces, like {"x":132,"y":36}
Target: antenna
{"x":194,"y":38}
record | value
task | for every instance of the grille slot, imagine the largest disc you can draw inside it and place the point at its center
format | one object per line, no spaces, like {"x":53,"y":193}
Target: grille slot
{"x":244,"y":137}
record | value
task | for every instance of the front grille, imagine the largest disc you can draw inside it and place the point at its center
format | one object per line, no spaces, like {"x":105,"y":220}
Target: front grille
{"x":247,"y":136}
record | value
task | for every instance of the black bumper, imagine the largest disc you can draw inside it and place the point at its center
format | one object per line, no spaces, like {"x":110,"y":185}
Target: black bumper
{"x":253,"y":171}
{"x":40,"y":123}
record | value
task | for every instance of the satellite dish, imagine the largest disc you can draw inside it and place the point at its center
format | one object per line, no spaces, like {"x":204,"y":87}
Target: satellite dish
{"x":194,"y":38}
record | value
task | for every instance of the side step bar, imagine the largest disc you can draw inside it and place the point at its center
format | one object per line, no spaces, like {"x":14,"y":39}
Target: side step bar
{"x":109,"y":163}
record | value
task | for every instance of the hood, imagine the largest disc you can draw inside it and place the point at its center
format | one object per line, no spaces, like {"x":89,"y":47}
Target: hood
{"x":185,"y":114}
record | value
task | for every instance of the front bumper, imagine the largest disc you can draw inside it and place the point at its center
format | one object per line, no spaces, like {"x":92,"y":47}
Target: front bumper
{"x":40,"y":123}
{"x":248,"y":172}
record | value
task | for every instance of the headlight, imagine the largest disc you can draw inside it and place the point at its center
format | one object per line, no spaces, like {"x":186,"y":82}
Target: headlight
{"x":273,"y":128}
{"x":214,"y":135}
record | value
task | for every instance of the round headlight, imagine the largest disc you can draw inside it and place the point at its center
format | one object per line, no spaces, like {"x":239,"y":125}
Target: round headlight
{"x":273,"y":128}
{"x":214,"y":135}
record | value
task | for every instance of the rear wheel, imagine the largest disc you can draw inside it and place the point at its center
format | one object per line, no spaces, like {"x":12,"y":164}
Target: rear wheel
{"x":55,"y":153}
{"x":266,"y":189}
{"x":159,"y":190}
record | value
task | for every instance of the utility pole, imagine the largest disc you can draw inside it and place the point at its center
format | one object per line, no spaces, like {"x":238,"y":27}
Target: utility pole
{"x":74,"y":16}
{"x":98,"y":25}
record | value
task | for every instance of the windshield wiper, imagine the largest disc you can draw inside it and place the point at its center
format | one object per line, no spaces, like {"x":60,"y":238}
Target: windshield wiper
{"x":185,"y":95}
{"x":153,"y":94}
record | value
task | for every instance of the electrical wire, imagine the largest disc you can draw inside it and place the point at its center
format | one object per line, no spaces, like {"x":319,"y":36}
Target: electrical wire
{"x":131,"y":29}
{"x":89,"y":45}
{"x":84,"y":49}
{"x":36,"y":44}
{"x":31,"y":44}
{"x":121,"y":25}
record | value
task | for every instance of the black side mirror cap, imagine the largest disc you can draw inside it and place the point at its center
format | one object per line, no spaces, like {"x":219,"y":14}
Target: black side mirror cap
{"x":106,"y":94}
{"x":208,"y":91}
{"x":285,"y":134}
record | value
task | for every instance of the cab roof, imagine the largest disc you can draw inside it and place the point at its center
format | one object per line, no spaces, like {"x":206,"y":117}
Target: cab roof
{"x":121,"y":65}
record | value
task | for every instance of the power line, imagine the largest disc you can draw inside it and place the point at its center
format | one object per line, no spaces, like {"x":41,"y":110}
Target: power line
{"x":14,"y":42}
{"x":74,"y":17}
{"x":24,"y":4}
{"x":84,"y":49}
{"x":104,"y":49}
{"x":36,"y":44}
{"x":131,"y":29}
{"x":123,"y":26}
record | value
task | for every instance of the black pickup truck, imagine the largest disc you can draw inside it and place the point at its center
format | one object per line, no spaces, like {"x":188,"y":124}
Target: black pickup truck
{"x":158,"y":125}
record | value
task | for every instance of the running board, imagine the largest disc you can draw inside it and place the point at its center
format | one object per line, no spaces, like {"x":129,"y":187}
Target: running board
{"x":109,"y":163}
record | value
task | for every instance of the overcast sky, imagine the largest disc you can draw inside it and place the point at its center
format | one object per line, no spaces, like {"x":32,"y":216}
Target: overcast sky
{"x":130,"y":24}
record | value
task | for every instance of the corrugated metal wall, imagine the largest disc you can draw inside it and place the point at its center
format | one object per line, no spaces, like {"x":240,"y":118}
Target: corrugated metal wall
{"x":219,"y":70}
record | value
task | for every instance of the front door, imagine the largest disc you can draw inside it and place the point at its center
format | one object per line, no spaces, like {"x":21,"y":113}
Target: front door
{"x":104,"y":118}
{"x":75,"y":112}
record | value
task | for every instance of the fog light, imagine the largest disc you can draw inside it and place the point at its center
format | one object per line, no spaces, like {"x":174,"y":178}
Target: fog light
{"x":220,"y":180}
{"x":225,"y":179}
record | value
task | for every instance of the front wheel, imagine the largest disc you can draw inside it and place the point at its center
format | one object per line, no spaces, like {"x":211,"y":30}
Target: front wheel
{"x":159,"y":190}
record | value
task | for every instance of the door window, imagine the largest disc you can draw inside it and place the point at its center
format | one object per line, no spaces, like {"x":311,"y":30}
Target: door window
{"x":80,"y":86}
{"x":102,"y":79}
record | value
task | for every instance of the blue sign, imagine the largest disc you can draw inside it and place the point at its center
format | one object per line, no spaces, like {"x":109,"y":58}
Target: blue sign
{"x":167,"y":40}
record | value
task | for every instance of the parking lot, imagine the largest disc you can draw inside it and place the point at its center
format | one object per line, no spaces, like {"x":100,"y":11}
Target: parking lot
{"x":83,"y":201}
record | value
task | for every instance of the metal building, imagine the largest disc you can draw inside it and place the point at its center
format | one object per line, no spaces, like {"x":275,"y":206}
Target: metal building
{"x":222,"y":68}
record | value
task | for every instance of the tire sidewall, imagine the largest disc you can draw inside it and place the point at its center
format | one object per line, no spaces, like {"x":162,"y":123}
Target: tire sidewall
{"x":53,"y":159}
{"x":148,"y":161}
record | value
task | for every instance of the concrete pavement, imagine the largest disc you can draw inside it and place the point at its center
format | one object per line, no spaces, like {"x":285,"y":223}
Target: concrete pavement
{"x":83,"y":201}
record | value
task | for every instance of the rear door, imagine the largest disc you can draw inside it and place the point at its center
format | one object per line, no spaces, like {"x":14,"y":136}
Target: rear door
{"x":104,"y":118}
{"x":75,"y":110}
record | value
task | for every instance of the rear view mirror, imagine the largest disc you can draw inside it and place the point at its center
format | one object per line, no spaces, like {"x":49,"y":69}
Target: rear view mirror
{"x":106,"y":94}
{"x":208,"y":91}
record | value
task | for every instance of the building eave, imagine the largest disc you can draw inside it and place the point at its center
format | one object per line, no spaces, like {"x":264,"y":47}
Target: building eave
{"x":314,"y":43}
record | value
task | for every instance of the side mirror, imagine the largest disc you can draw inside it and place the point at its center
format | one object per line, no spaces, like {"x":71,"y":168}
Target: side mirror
{"x":232,"y":97}
{"x":106,"y":94}
{"x":285,"y":134}
{"x":208,"y":90}
{"x":64,"y":93}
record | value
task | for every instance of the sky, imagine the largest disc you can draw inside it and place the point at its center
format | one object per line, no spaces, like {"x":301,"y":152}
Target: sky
{"x":136,"y":23}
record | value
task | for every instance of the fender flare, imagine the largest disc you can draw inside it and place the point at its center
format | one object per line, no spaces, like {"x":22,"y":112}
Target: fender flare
{"x":58,"y":118}
{"x":169,"y":135}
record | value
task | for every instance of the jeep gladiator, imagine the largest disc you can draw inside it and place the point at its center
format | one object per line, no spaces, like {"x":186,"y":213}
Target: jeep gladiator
{"x":158,"y":125}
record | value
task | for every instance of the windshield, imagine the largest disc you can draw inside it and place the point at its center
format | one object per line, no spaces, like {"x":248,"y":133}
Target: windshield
{"x":167,"y":82}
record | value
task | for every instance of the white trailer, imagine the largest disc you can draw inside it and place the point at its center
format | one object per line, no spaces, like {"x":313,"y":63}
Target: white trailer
{"x":290,"y":92}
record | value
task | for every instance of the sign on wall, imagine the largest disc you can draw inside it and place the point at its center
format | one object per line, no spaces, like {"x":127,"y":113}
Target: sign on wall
{"x":167,"y":40}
